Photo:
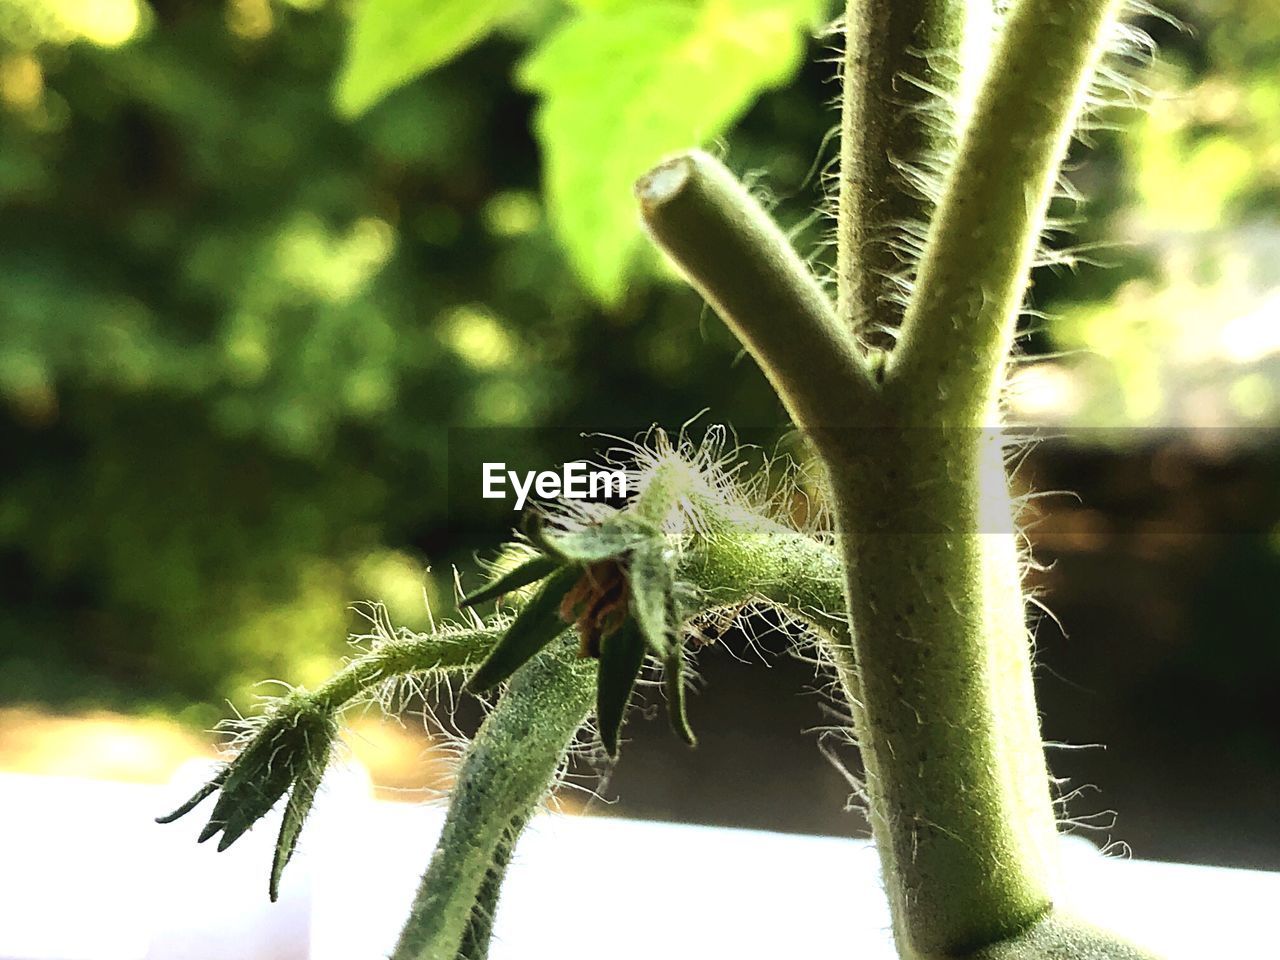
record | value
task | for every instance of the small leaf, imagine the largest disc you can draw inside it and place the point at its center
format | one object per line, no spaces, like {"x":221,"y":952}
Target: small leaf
{"x":621,"y":657}
{"x":260,"y":775}
{"x":536,"y":625}
{"x":652,"y":583}
{"x":394,"y":41}
{"x":673,"y":684}
{"x":531,"y":571}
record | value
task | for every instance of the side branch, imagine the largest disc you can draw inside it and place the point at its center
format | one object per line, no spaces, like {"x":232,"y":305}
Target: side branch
{"x":737,"y":258}
{"x":455,"y":652}
{"x":904,"y":72}
{"x":959,"y":326}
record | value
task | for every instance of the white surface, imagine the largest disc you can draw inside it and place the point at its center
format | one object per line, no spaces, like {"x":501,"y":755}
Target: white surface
{"x":86,"y":875}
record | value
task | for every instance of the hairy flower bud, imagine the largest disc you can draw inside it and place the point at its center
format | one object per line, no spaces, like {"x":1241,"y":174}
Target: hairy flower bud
{"x":285,"y":750}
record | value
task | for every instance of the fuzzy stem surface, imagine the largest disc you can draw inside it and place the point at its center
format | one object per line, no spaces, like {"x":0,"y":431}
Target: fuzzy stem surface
{"x":736,"y":257}
{"x":904,"y":79}
{"x":959,"y":327}
{"x":505,"y":774}
{"x":479,"y":931}
{"x":960,"y":799}
{"x":939,"y":664}
{"x":960,"y":795}
{"x":445,"y":653}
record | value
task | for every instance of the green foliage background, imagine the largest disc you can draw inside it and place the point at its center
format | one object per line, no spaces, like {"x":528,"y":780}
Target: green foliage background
{"x":255,"y":267}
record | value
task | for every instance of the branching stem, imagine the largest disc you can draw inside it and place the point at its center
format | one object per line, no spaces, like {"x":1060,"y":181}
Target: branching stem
{"x":938,"y":666}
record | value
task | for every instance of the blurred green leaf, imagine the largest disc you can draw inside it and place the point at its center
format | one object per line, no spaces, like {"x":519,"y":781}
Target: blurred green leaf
{"x":393,"y":41}
{"x":225,"y":419}
{"x":624,"y":84}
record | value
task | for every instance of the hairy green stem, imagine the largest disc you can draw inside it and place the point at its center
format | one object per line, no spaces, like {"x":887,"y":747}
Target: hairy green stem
{"x":505,"y":774}
{"x":737,"y":258}
{"x":453,"y":652}
{"x":960,"y":796}
{"x":959,"y":327}
{"x":744,"y":556}
{"x":961,"y":807}
{"x":1060,"y":936}
{"x":938,"y":665}
{"x":903,"y":69}
{"x":479,"y":931}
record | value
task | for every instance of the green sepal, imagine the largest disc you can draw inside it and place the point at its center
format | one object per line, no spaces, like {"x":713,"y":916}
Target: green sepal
{"x":208,"y":790}
{"x":259,"y":777}
{"x":621,"y":658}
{"x":534,"y":527}
{"x":535,"y":626}
{"x":673,"y":685}
{"x":292,"y":745}
{"x":531,"y":571}
{"x":651,"y":583}
{"x":301,"y":798}
{"x":608,"y":540}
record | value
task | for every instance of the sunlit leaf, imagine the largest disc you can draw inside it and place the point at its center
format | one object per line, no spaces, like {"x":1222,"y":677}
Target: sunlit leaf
{"x":393,"y":41}
{"x":625,"y":83}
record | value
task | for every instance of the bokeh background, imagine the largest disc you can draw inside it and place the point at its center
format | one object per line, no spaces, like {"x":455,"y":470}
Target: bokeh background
{"x":250,"y":347}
